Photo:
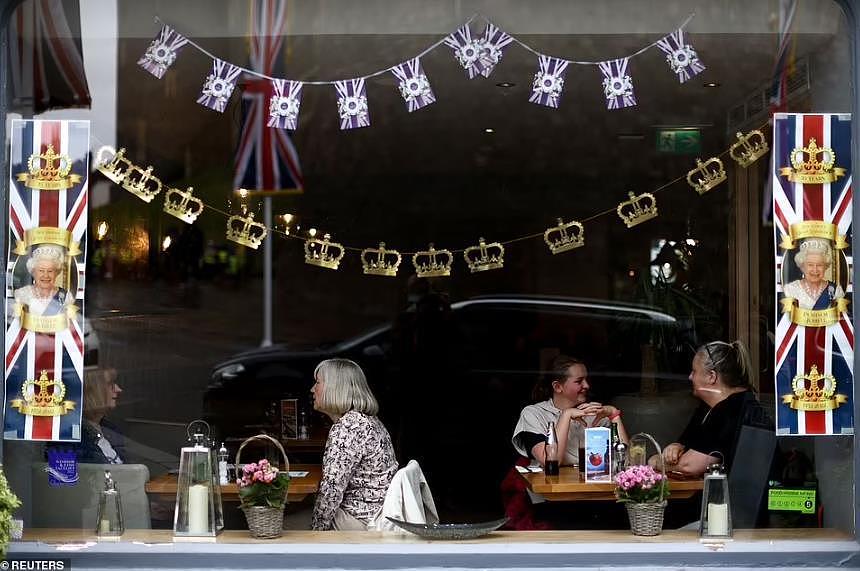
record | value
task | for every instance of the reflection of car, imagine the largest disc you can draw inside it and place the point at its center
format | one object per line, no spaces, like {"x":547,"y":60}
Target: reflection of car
{"x":448,"y":376}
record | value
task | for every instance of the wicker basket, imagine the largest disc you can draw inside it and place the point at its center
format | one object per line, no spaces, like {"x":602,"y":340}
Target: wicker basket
{"x":265,"y":522}
{"x":647,"y":518}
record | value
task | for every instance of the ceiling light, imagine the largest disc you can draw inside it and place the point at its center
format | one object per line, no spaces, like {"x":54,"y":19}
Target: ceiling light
{"x":505,"y":84}
{"x":712,"y":84}
{"x":489,"y":130}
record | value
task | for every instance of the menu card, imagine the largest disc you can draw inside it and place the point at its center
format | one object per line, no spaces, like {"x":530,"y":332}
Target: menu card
{"x":597,"y":453}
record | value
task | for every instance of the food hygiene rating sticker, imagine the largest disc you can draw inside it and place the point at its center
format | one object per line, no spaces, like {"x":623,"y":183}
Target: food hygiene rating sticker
{"x":787,"y":500}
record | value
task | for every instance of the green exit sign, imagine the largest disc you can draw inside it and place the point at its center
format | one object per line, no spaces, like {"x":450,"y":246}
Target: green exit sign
{"x":781,"y":499}
{"x":679,"y":141}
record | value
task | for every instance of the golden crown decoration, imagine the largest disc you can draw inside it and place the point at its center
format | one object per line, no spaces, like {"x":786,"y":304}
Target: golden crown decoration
{"x":565,"y":236}
{"x":43,"y":397}
{"x":49,"y":171}
{"x":484,"y":256}
{"x":806,"y":167}
{"x":638,"y":209}
{"x":749,"y":148}
{"x":243,"y":230}
{"x":814,"y":391}
{"x":380,"y":261}
{"x":141,"y":183}
{"x":324,"y":253}
{"x":112,"y":163}
{"x":706,"y":175}
{"x":183,"y":205}
{"x":432,"y":263}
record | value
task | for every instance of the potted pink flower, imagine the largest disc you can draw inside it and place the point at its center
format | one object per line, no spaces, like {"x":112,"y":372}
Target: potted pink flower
{"x":643,"y":490}
{"x":263,"y":494}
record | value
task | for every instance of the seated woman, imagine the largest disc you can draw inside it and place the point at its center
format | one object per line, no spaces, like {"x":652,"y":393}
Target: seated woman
{"x":720,"y":378}
{"x":358,"y":462}
{"x":566,"y":404}
{"x":813,"y":291}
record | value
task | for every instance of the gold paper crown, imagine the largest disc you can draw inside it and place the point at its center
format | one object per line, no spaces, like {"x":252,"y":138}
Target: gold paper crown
{"x":379,"y":261}
{"x":112,"y":164}
{"x":749,"y":148}
{"x":432,"y":263}
{"x":183,"y":205}
{"x":48,"y":171}
{"x":638,"y":209}
{"x":39,"y":401}
{"x":243,"y":230}
{"x":814,"y":391}
{"x":142,"y":183}
{"x":809,"y":169}
{"x":484,"y":256}
{"x":706,"y":175}
{"x":324,"y":253}
{"x":564,"y":236}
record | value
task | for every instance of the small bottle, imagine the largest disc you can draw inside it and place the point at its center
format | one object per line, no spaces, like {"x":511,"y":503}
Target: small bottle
{"x":551,"y":463}
{"x":619,"y":451}
{"x":223,"y":456}
{"x":303,"y":425}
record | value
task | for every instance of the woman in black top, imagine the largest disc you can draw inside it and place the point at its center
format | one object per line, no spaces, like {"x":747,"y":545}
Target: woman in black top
{"x":720,"y":378}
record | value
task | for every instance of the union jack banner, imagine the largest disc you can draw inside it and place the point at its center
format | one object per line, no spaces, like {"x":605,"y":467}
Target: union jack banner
{"x":266,"y":159}
{"x":493,"y":46}
{"x":549,"y":81}
{"x":617,"y":85}
{"x":162,"y":52}
{"x":467,"y":51}
{"x":413,"y":85}
{"x":812,"y":197}
{"x":681,"y":57}
{"x":352,"y":104}
{"x":45,"y":280}
{"x":219,"y":85}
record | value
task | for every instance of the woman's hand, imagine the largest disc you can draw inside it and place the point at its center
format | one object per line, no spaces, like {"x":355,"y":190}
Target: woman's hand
{"x":606,"y":411}
{"x":579,"y":412}
{"x":672,"y":453}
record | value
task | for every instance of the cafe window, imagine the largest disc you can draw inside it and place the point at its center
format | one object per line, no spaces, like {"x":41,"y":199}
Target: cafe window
{"x":180,"y":323}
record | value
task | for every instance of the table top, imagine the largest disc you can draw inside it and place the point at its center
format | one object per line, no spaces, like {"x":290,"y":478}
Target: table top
{"x":568,"y":486}
{"x":166,"y":484}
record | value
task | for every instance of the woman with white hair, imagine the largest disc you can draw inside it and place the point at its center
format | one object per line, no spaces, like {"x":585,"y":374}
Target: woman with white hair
{"x":813,"y":290}
{"x":359,"y":461}
{"x":44,"y":296}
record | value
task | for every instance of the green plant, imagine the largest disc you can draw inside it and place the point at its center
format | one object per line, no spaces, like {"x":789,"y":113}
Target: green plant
{"x":9,"y":502}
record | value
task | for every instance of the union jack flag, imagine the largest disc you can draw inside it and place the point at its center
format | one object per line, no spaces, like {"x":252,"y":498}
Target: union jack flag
{"x":265,"y":159}
{"x":28,"y":351}
{"x":45,"y":59}
{"x":829,"y":347}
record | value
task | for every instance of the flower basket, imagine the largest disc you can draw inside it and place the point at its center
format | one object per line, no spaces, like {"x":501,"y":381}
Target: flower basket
{"x":643,"y":490}
{"x":263,"y":492}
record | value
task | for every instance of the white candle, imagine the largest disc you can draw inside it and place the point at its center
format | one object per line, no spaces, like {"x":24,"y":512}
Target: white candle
{"x":198,"y":509}
{"x":718,"y":519}
{"x":104,"y":526}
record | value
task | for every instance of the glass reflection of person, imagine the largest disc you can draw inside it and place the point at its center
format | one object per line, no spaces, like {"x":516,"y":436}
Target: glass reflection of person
{"x":44,"y":297}
{"x":813,"y":290}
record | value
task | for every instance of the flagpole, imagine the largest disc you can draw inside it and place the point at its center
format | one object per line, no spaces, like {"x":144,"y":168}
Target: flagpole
{"x":267,"y":275}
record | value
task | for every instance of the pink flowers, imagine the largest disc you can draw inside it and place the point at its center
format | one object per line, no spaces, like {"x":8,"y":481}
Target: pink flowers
{"x":261,"y":471}
{"x":640,"y":484}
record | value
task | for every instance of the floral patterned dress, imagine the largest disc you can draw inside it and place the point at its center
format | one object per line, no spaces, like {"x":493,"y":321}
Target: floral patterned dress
{"x":358,"y":465}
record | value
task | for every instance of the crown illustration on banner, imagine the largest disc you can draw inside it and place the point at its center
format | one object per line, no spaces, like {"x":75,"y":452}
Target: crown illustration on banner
{"x":380,"y":261}
{"x":749,"y":148}
{"x":565,"y":236}
{"x":324,"y":253}
{"x":638,"y":209}
{"x":484,"y":256}
{"x":48,"y":171}
{"x":243,"y":230}
{"x":706,"y":175}
{"x":112,"y":163}
{"x":43,"y":397}
{"x":812,"y":165}
{"x":141,"y":183}
{"x":814,"y":391}
{"x":183,"y":205}
{"x":432,"y":263}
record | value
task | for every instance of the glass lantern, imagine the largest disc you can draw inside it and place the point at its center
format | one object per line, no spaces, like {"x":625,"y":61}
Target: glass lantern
{"x":716,"y":519}
{"x":198,"y":495}
{"x":109,"y":522}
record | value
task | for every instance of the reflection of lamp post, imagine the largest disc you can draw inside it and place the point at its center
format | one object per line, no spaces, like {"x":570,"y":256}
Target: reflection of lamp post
{"x":102,"y":230}
{"x":165,"y":244}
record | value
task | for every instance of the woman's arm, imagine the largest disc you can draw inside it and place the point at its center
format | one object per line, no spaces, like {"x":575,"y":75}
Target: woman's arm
{"x":689,"y":463}
{"x":343,"y":450}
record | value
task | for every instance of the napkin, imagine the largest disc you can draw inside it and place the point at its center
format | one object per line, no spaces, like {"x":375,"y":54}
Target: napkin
{"x":298,"y":473}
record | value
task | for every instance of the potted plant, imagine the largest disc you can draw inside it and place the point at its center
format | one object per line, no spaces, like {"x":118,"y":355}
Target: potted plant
{"x":9,"y":502}
{"x":643,"y":490}
{"x":263,"y":494}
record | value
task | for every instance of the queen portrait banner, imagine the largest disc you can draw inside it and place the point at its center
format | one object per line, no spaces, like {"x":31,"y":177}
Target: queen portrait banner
{"x":812,"y":196}
{"x":48,"y":195}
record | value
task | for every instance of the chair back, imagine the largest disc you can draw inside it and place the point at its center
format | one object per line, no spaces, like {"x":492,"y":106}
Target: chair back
{"x":408,"y":499}
{"x":76,"y":506}
{"x":749,"y":474}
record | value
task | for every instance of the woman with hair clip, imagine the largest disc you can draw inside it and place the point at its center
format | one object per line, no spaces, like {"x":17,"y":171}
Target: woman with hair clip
{"x":721,"y":380}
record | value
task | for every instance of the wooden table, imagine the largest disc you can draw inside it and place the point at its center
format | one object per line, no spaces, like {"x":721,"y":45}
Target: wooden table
{"x":165,"y":485}
{"x":569,"y":487}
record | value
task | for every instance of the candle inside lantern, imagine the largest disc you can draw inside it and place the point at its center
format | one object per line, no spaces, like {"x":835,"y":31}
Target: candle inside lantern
{"x":718,"y":519}
{"x":198,"y":509}
{"x":104,"y":526}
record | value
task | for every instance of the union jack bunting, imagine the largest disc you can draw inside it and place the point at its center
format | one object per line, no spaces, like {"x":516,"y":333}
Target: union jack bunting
{"x":493,"y":45}
{"x":812,"y":203}
{"x":467,"y":51}
{"x":266,"y":159}
{"x":681,"y":57}
{"x":352,"y":104}
{"x":162,"y":52}
{"x":219,"y":85}
{"x":47,"y":247}
{"x":617,"y":85}
{"x":46,"y":65}
{"x":549,"y":81}
{"x":413,"y":84}
{"x":284,"y":104}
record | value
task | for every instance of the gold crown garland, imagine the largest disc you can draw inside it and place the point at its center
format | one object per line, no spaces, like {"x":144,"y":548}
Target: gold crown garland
{"x":563,"y":237}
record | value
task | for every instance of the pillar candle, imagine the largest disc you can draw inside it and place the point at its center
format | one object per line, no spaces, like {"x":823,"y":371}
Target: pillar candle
{"x":198,"y":509}
{"x":718,"y":519}
{"x":104,"y":526}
